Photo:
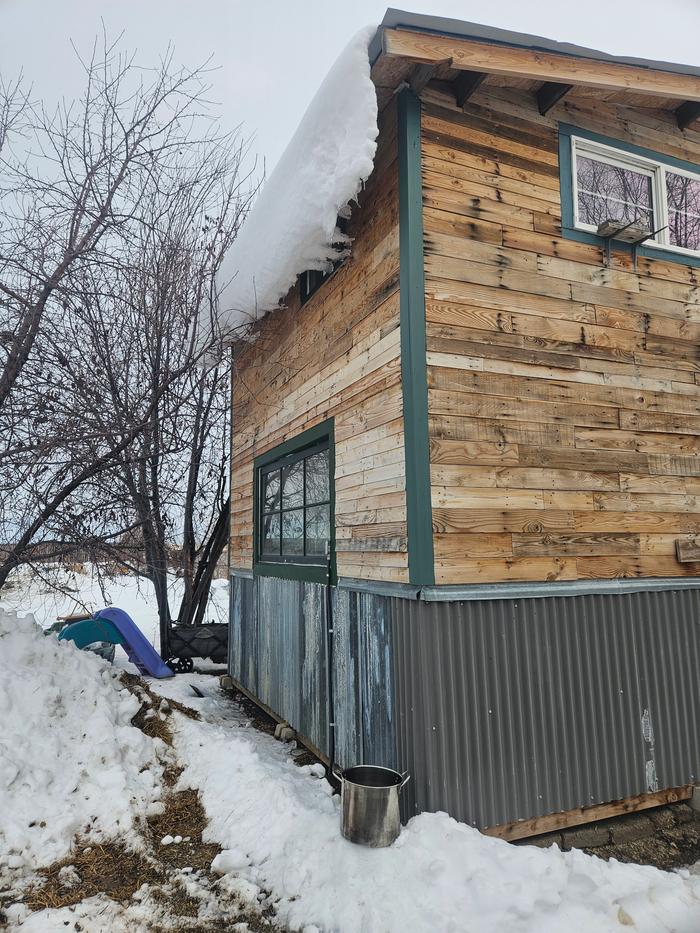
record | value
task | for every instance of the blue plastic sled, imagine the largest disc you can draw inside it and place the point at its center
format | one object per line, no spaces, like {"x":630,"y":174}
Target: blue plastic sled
{"x":116,"y":627}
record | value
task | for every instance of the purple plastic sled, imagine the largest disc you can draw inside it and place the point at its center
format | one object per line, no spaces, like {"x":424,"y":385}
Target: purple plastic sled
{"x":139,"y":650}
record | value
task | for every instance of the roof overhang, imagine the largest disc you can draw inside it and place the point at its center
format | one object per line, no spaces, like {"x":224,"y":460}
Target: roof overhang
{"x":405,"y":42}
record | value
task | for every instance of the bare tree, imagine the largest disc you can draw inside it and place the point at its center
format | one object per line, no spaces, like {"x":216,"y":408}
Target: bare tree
{"x":113,"y":399}
{"x":72,"y":196}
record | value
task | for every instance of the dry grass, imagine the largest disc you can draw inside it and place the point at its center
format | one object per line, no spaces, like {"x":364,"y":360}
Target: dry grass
{"x":149,"y":719}
{"x":114,"y":871}
{"x":183,"y":816}
{"x":109,"y":869}
{"x":136,"y":683}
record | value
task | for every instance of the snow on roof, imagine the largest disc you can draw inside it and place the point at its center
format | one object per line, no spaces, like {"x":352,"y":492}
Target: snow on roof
{"x":292,"y":225}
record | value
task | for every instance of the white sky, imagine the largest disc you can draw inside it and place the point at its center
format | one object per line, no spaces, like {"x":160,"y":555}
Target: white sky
{"x":273,"y":54}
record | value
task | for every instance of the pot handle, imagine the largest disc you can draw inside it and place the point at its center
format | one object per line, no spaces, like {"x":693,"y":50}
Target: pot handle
{"x":406,"y":778}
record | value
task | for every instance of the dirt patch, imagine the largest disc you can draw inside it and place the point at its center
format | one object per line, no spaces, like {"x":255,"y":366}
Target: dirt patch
{"x":154,"y":712}
{"x":117,"y":872}
{"x":673,"y":843}
{"x":305,"y":757}
{"x":262,"y":721}
{"x":134,"y":681}
{"x":90,"y":869}
{"x":183,"y":818}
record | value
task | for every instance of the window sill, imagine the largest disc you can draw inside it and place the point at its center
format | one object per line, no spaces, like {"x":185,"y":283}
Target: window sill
{"x":309,"y":573}
{"x":648,"y":252}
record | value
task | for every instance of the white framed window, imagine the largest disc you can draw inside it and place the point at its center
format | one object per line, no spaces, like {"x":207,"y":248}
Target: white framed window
{"x":611,"y":184}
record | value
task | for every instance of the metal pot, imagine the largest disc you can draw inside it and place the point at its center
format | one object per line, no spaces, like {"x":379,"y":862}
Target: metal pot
{"x":370,"y":804}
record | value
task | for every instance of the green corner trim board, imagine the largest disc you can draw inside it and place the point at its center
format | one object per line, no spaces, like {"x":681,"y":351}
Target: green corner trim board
{"x":414,"y":377}
{"x":566,"y":131}
{"x":312,"y":573}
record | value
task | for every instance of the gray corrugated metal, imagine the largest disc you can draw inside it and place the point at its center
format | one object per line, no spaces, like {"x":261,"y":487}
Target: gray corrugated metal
{"x":363,"y":669}
{"x":510,"y":709}
{"x":278,"y":652}
{"x":278,"y":649}
{"x":501,"y":709}
{"x":398,"y":19}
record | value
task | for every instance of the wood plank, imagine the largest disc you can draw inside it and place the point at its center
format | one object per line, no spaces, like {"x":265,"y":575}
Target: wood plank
{"x":574,"y":545}
{"x":479,"y":546}
{"x":613,"y":567}
{"x":688,"y":550}
{"x":472,"y":405}
{"x":515,"y":570}
{"x":371,"y":543}
{"x":455,"y":427}
{"x":472,"y":55}
{"x":443,"y":451}
{"x":566,"y":819}
{"x":534,"y":521}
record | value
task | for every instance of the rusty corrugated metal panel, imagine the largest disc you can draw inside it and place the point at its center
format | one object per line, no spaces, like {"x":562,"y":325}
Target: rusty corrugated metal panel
{"x":510,"y":709}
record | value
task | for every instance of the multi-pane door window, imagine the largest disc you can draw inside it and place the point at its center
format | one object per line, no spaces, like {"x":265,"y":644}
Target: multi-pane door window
{"x":619,"y":186}
{"x":294,"y":511}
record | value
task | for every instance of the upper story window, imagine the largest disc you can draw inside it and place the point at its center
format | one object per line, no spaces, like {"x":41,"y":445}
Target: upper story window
{"x":625,"y":188}
{"x":311,"y":280}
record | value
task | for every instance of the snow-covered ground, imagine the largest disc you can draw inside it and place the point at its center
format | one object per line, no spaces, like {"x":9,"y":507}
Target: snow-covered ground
{"x":279,"y":825}
{"x":70,"y":762}
{"x":83,"y":590}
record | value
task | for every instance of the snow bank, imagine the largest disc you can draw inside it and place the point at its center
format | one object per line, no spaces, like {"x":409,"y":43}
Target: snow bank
{"x":292,"y":225}
{"x":70,"y":762}
{"x":280,"y":831}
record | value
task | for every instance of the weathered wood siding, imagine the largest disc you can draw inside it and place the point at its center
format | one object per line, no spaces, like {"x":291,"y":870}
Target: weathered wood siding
{"x":337,"y":356}
{"x":564,"y":396}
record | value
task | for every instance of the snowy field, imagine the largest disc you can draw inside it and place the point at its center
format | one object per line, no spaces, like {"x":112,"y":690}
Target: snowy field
{"x":89,"y":591}
{"x":72,"y":763}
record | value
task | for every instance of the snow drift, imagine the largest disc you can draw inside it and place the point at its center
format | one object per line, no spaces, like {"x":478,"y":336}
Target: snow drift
{"x":279,"y":829}
{"x":70,"y":762}
{"x":292,"y":225}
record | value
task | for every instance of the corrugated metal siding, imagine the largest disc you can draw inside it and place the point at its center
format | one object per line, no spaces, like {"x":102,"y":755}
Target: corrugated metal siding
{"x":364,"y":693}
{"x":510,"y":709}
{"x":501,"y":709}
{"x":278,"y":651}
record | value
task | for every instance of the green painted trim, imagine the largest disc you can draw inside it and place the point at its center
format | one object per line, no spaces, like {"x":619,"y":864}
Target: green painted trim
{"x":414,"y":375}
{"x":566,"y":131}
{"x":309,"y":572}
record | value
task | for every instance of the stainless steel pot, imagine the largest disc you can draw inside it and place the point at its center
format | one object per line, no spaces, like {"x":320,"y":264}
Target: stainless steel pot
{"x":370,"y":804}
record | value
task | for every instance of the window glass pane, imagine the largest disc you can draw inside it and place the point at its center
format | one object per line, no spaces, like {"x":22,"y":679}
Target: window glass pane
{"x":610,"y":192}
{"x":271,"y":533}
{"x":317,"y":529}
{"x":683,"y":195}
{"x":317,"y":478}
{"x":293,"y":485}
{"x":271,"y":491}
{"x":293,"y":532}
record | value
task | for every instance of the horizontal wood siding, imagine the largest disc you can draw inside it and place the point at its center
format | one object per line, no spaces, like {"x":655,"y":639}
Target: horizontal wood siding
{"x":337,"y":356}
{"x":564,"y":397}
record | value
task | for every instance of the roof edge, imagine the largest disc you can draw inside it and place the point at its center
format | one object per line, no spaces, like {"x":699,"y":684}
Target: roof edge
{"x":440,"y":25}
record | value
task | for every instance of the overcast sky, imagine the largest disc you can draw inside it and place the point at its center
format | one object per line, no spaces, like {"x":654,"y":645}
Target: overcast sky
{"x":272,"y":54}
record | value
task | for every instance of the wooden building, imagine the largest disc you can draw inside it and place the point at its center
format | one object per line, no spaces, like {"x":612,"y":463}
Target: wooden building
{"x":472,"y":452}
